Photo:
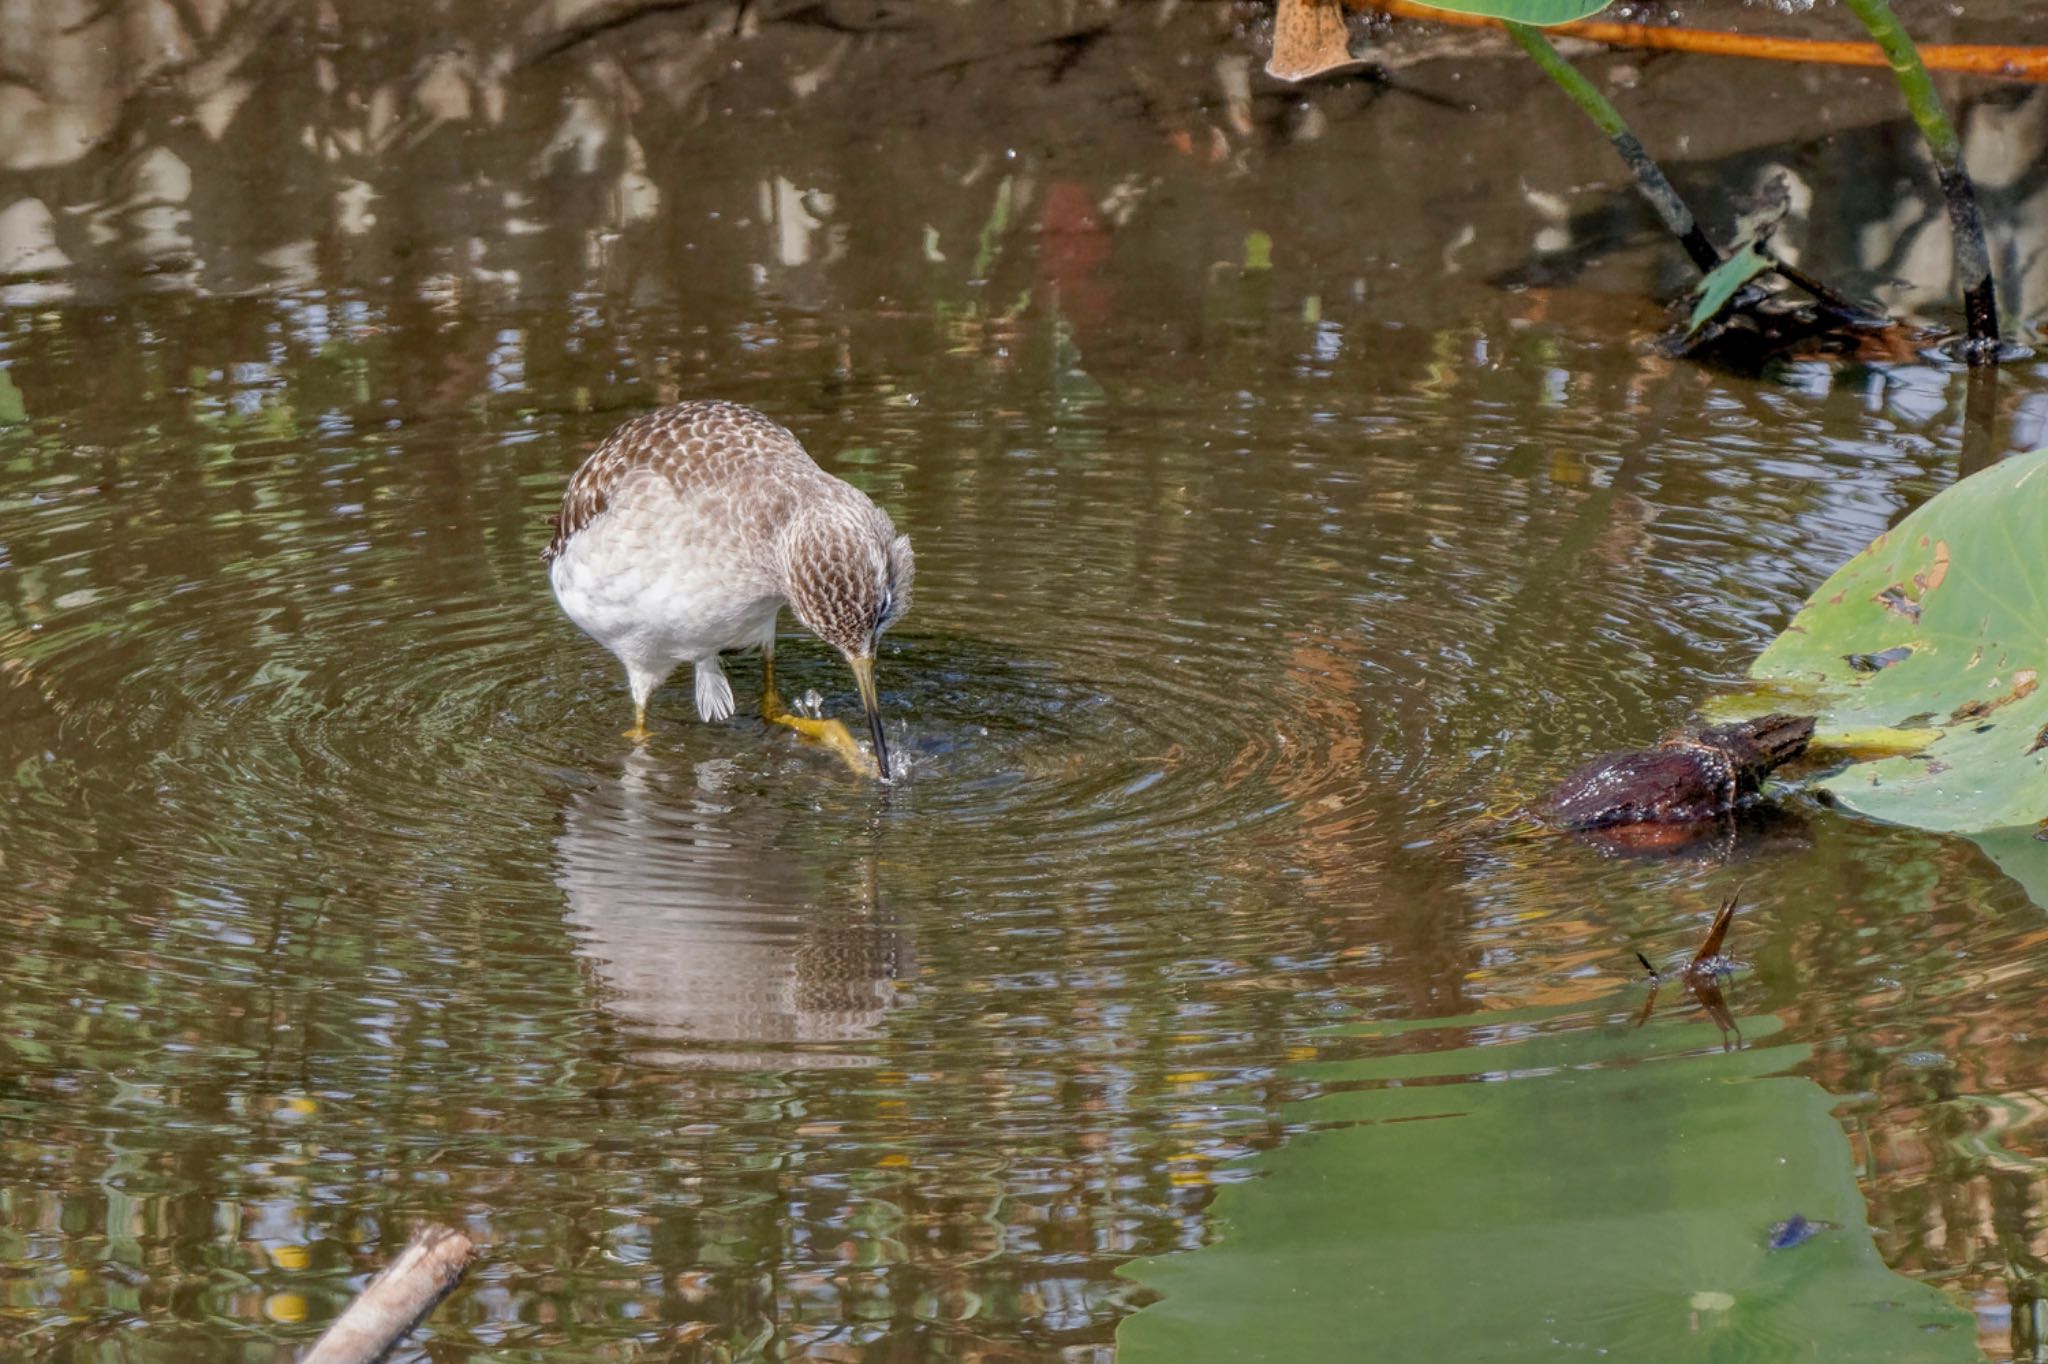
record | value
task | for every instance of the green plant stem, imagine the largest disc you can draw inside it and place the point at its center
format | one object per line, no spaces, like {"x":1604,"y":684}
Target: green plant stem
{"x":1649,"y":178}
{"x":1973,"y":257}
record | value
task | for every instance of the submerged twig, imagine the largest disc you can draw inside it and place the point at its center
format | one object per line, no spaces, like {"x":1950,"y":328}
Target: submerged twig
{"x":424,"y":1272}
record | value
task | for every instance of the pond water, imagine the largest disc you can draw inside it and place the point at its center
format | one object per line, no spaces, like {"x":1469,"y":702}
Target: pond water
{"x":1286,"y":523}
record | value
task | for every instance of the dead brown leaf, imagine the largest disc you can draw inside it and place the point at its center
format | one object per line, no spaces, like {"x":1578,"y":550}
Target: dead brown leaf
{"x":1309,"y":38}
{"x":1717,"y":933}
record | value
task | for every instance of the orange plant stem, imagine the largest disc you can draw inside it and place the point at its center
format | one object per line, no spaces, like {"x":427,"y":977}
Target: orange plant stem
{"x":1977,"y":59}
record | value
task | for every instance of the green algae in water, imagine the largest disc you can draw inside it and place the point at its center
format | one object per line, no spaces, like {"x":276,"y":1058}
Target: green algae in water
{"x":1600,"y":1192}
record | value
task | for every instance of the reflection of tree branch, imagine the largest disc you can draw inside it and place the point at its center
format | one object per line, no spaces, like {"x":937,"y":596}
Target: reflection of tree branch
{"x":1068,"y":48}
{"x":189,"y":18}
{"x":148,"y":87}
{"x":608,"y":22}
{"x":98,"y":16}
{"x":234,"y":41}
{"x":814,"y":13}
{"x":9,"y":76}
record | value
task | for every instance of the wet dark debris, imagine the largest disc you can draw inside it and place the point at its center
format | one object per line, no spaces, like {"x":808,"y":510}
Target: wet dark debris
{"x":1701,"y":775}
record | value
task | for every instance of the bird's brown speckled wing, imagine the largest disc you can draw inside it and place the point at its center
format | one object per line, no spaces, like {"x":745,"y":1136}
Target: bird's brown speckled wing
{"x":689,"y":444}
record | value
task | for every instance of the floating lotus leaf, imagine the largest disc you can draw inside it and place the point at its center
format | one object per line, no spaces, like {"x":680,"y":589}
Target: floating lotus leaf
{"x":1941,"y":624}
{"x":1591,"y":1193}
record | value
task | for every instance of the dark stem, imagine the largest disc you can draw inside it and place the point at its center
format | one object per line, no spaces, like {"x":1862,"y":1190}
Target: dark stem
{"x":1980,"y":303}
{"x":1844,"y":308}
{"x":1973,"y":257}
{"x":1650,"y":179}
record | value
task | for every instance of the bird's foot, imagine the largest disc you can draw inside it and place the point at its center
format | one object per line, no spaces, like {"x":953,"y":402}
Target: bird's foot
{"x":640,"y":733}
{"x":831,"y":733}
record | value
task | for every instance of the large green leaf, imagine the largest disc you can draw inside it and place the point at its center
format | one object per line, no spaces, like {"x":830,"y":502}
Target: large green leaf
{"x":1538,"y":12}
{"x":1586,"y":1194}
{"x":1942,"y":622}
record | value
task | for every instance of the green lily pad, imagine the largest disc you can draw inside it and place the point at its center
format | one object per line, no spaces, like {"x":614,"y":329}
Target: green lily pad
{"x":1582,"y":1194}
{"x":1942,"y":623}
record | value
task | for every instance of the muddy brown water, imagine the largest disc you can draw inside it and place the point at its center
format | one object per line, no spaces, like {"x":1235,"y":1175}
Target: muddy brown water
{"x":1274,"y":554}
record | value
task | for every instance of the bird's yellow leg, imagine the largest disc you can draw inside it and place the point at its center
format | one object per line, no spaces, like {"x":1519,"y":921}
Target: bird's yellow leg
{"x":771,"y":704}
{"x":831,"y":733}
{"x":639,"y":733}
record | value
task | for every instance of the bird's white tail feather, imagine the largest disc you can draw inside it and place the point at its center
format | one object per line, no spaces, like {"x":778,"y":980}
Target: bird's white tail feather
{"x":714,"y":693}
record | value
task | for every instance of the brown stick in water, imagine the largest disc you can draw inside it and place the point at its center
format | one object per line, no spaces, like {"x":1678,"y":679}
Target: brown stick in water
{"x":394,"y":1302}
{"x":1977,"y":59}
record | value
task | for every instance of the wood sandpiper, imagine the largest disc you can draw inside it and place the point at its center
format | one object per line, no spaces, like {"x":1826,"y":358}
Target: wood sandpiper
{"x":690,"y":528}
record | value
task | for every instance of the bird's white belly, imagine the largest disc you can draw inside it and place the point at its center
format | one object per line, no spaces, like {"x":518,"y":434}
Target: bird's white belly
{"x":657,"y":599}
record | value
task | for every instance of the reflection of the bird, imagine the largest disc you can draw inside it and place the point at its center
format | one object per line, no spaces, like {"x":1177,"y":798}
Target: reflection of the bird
{"x":704,"y":936}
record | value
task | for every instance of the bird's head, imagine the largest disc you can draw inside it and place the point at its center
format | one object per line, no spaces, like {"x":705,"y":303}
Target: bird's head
{"x":847,"y":575}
